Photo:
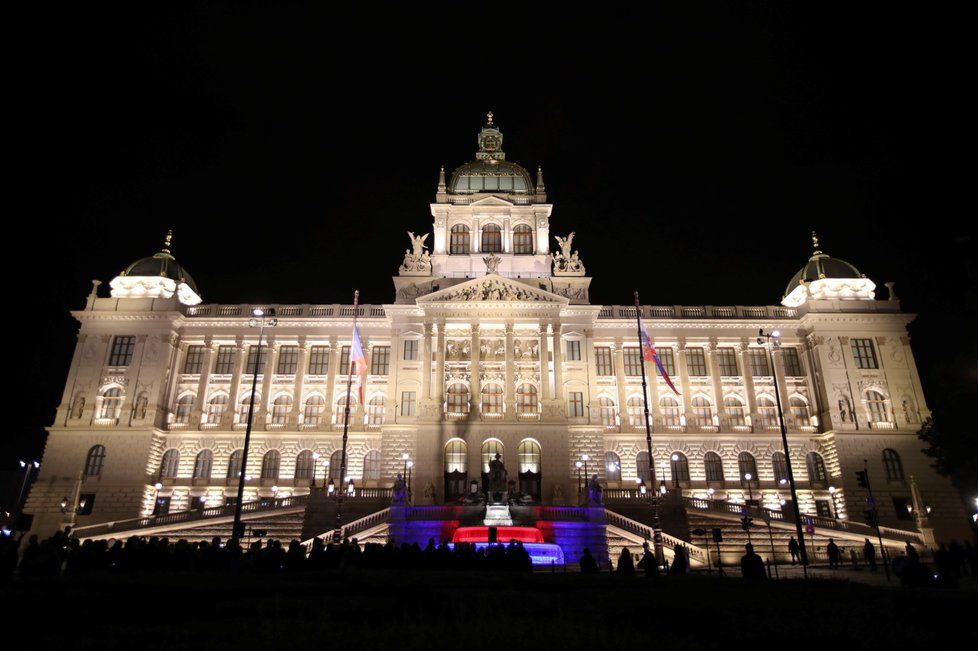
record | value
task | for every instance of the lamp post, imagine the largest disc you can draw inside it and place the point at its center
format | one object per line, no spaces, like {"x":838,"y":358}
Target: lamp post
{"x":750,"y":498}
{"x":774,"y":341}
{"x":675,"y":468}
{"x":410,"y":469}
{"x":351,"y":366}
{"x":585,"y":458}
{"x":237,"y":530}
{"x":578,"y":465}
{"x":28,"y":467}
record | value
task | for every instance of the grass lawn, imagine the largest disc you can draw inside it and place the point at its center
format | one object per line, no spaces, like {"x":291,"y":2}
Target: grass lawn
{"x":374,"y":609}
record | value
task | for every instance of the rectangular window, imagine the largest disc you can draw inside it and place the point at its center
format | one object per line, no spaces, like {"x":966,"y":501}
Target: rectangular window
{"x":633,"y":361}
{"x":602,"y":361}
{"x":695,"y":362}
{"x":319,"y":360}
{"x":122,"y":348}
{"x":727,"y":361}
{"x":195,"y":360}
{"x":344,"y":368}
{"x":380,"y":360}
{"x":668,"y":360}
{"x":575,"y":404}
{"x":864,"y":353}
{"x":225,"y":360}
{"x":759,"y":365}
{"x":573,"y":351}
{"x":410,"y":350}
{"x":792,"y":364}
{"x":823,"y":509}
{"x":250,"y":368}
{"x":288,"y":360}
{"x":408,"y":398}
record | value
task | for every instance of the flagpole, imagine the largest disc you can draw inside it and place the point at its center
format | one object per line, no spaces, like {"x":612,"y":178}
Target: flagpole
{"x":337,"y":532}
{"x":654,"y":493}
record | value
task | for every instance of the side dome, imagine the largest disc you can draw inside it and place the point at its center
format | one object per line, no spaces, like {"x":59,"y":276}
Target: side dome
{"x":826,"y":278}
{"x":157,"y":276}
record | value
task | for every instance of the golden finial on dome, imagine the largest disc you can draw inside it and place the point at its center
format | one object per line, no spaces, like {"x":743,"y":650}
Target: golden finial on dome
{"x":167,"y":240}
{"x":489,"y":117}
{"x":815,"y":242}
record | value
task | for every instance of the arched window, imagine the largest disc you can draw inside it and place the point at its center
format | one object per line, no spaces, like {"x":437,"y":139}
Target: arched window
{"x":459,"y":243}
{"x":111,"y":403}
{"x":335,"y":461}
{"x":203,"y":464}
{"x":876,"y":404}
{"x":799,"y":410}
{"x":767,"y":412}
{"x":492,"y":239}
{"x":185,"y":405}
{"x":642,"y":468}
{"x":371,"y":465}
{"x":523,"y":240}
{"x":780,"y":465}
{"x":376,"y":409}
{"x":270,"y":464}
{"x":748,"y":466}
{"x":492,"y":399}
{"x":892,"y":466}
{"x":234,"y":465}
{"x":305,"y":465}
{"x":281,"y":409}
{"x":526,"y":399}
{"x":490,"y":449}
{"x":703,"y":412}
{"x":714,"y":466}
{"x":734,"y":410}
{"x":816,"y":470}
{"x":313,"y":412}
{"x":612,"y":465}
{"x":528,"y":454}
{"x":636,"y":411}
{"x":244,"y":406}
{"x":94,"y":461}
{"x":670,"y":411}
{"x":679,"y":465}
{"x":458,"y":399}
{"x":217,"y":406}
{"x":339,"y":412}
{"x":170,"y":464}
{"x":455,"y":456}
{"x":606,"y":411}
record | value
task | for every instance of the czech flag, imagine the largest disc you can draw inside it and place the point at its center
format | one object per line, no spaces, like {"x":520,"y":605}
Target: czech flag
{"x":358,"y":359}
{"x":649,"y":355}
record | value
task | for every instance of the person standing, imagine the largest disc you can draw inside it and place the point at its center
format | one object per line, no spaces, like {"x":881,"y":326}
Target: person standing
{"x":833,"y":551}
{"x":869,"y":553}
{"x":794,"y":550}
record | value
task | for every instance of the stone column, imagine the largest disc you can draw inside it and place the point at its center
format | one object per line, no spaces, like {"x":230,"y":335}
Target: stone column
{"x":619,"y":353}
{"x":205,"y":374}
{"x":544,"y":364}
{"x":393,"y":396}
{"x":558,"y":362}
{"x":475,"y":382}
{"x":816,"y":398}
{"x":270,"y":355}
{"x":179,"y":360}
{"x":745,"y":368}
{"x":426,"y":363}
{"x":300,"y":380}
{"x":684,"y":379}
{"x":332,"y":370}
{"x":778,"y":371}
{"x":717,"y":384}
{"x":439,"y":388}
{"x":240,"y":353}
{"x":509,"y":391}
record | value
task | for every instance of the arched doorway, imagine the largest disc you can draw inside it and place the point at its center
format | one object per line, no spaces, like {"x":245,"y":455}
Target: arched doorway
{"x":529,"y":456}
{"x":456,"y":469}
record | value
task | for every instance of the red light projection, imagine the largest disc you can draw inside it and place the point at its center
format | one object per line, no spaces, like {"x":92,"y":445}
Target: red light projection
{"x":503,"y":534}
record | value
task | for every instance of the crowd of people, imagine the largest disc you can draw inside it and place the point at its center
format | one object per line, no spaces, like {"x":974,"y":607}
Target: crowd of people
{"x":63,"y":554}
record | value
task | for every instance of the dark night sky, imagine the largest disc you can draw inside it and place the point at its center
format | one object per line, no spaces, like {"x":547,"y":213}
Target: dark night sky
{"x":290,"y":150}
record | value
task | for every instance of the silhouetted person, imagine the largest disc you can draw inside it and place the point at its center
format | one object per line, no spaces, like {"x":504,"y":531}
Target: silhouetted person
{"x":912,"y":554}
{"x":626,"y":566}
{"x":680,"y":560}
{"x":833,"y":551}
{"x":587,"y":562}
{"x":869,"y":554}
{"x":794,"y":550}
{"x":751,"y":565}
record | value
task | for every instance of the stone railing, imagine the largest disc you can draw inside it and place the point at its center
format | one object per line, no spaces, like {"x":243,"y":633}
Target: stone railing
{"x":287,"y":311}
{"x":637,"y":528}
{"x":698,"y":312}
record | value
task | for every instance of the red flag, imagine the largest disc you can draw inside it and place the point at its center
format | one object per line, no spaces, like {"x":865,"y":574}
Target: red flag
{"x":649,"y":355}
{"x":358,"y":359}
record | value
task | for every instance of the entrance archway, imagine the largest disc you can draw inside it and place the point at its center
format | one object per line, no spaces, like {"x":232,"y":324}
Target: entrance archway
{"x":456,"y":469}
{"x":531,"y":475}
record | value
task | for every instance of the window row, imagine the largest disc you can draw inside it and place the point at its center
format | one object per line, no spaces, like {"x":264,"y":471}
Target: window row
{"x":696,"y":363}
{"x":458,"y":399}
{"x":701,"y":408}
{"x":305,"y":465}
{"x":288,"y":359}
{"x":491,"y":240}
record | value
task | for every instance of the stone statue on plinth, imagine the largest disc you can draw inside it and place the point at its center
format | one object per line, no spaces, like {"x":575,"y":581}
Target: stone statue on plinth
{"x":399,"y":493}
{"x":497,"y":478}
{"x":594,"y":490}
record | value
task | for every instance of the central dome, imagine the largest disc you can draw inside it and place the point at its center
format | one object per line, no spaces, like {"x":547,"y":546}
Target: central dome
{"x":490,"y":172}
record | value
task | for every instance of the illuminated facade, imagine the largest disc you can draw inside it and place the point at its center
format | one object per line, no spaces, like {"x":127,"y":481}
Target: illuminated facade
{"x":490,"y":345}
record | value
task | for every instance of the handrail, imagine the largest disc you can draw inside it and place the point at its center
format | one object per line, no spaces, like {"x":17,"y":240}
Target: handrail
{"x":640,"y":529}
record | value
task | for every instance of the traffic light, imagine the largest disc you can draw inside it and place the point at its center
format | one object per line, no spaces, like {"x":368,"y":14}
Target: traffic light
{"x":746,"y":522}
{"x":862,"y":478}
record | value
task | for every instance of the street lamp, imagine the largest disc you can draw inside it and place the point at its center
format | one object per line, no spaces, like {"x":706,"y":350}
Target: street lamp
{"x":774,"y":341}
{"x":578,"y":465}
{"x":585,"y":458}
{"x":260,"y":320}
{"x":750,"y":499}
{"x":410,"y":470}
{"x":675,"y":468}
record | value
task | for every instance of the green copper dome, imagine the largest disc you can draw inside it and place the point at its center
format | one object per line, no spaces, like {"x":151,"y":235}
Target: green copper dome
{"x":821,"y":266}
{"x":161,"y":264}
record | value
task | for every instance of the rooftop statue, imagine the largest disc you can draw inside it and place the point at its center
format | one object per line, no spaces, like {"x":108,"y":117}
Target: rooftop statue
{"x":417,"y":261}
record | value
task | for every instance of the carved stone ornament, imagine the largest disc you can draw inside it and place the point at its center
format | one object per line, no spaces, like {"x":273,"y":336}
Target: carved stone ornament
{"x":566,"y":261}
{"x":492,"y":289}
{"x":417,"y":260}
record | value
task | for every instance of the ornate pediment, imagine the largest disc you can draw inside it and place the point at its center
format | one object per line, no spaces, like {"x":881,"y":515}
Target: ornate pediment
{"x":492,"y":288}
